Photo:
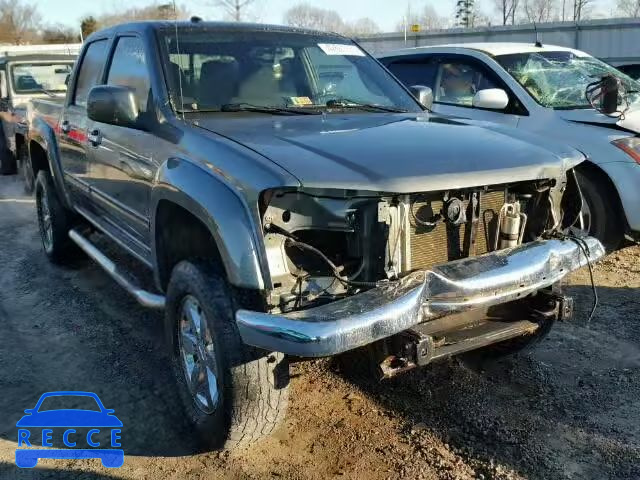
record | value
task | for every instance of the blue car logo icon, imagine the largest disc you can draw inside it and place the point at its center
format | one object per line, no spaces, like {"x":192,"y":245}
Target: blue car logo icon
{"x":69,"y":418}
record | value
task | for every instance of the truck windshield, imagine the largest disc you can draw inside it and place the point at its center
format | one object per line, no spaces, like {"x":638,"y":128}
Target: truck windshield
{"x":559,"y":79}
{"x":36,"y":77}
{"x":228,"y":71}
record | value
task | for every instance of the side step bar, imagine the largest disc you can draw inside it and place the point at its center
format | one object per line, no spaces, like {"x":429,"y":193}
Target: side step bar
{"x":144,"y":298}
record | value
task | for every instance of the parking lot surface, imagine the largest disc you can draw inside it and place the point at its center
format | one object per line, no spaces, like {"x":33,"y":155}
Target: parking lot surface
{"x":569,"y":409}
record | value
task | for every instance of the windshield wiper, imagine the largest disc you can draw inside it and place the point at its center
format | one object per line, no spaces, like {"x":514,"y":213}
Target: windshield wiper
{"x":346,"y":103}
{"x":247,"y":107}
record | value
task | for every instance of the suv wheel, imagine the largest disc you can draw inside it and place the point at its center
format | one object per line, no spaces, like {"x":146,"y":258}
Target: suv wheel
{"x":54,"y":221}
{"x":232,"y":394}
{"x":26,"y":169}
{"x":600,"y":215}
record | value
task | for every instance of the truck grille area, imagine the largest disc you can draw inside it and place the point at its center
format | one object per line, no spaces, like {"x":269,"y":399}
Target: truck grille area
{"x":433,"y":245}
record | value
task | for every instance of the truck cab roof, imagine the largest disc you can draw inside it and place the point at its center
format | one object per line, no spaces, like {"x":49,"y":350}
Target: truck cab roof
{"x":155,"y":25}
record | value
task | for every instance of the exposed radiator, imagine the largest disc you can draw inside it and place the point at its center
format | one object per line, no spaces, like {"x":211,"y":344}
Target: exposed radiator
{"x":431,"y":246}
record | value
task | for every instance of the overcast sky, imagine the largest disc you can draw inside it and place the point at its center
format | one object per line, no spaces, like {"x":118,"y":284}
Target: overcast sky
{"x":386,"y":13}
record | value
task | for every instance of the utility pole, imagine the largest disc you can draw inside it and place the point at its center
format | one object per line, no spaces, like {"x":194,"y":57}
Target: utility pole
{"x":464,"y":13}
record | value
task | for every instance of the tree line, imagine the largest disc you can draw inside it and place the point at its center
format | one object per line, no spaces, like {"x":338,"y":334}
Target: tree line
{"x":21,"y":22}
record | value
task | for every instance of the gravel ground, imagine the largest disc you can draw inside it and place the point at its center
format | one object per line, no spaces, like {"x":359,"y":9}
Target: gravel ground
{"x":568,"y":410}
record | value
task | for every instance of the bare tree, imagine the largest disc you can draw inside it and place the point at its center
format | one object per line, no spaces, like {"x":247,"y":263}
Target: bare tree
{"x":155,"y":11}
{"x":19,"y":21}
{"x":59,"y":34}
{"x":234,"y":9}
{"x":307,"y":16}
{"x":581,"y":9}
{"x":508,"y":10}
{"x":539,"y":11}
{"x":629,"y":8}
{"x":362,"y":26}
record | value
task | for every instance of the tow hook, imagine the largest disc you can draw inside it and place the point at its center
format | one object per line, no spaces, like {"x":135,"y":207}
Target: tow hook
{"x":560,"y":307}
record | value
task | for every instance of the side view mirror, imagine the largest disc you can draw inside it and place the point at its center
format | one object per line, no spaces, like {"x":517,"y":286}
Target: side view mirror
{"x":29,"y":410}
{"x":491,"y":98}
{"x":423,"y":94}
{"x":113,"y":105}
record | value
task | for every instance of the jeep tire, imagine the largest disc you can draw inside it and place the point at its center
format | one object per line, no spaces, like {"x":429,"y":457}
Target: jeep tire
{"x":232,"y":394}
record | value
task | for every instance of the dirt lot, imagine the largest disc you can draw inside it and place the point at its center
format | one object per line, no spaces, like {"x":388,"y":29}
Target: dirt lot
{"x":571,"y":409}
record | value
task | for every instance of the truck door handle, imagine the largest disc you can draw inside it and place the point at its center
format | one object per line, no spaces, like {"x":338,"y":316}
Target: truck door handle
{"x":94,"y":137}
{"x":65,"y":127}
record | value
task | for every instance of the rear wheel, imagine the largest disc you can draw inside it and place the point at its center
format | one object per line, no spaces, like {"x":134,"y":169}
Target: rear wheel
{"x":54,"y":221}
{"x":600,"y":215}
{"x":232,"y":394}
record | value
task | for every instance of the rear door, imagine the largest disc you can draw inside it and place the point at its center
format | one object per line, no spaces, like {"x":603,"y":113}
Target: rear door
{"x":123,"y":165}
{"x":74,"y":125}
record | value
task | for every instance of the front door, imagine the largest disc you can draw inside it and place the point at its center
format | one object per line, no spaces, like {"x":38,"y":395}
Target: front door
{"x":124,"y":164}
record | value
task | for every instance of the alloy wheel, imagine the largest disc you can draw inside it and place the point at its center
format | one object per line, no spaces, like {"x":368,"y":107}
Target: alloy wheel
{"x":197,"y":354}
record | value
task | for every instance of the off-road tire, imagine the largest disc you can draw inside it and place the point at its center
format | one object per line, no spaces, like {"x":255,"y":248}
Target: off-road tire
{"x":26,"y":169}
{"x":60,"y":249}
{"x":253,"y":384}
{"x":607,"y":223}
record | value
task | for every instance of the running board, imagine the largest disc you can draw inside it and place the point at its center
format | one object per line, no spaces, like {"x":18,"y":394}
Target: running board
{"x":144,"y":298}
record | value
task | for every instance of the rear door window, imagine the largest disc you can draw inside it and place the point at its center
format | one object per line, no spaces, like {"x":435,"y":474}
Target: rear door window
{"x":90,"y":70}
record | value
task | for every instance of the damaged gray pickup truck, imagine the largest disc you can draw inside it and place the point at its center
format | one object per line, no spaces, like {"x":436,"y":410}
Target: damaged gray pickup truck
{"x":293,"y":199}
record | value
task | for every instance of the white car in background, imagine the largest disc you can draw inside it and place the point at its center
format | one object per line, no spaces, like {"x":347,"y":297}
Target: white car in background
{"x":541,"y":89}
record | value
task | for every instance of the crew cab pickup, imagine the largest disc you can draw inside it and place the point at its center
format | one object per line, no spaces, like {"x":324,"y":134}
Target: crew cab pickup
{"x":293,"y":199}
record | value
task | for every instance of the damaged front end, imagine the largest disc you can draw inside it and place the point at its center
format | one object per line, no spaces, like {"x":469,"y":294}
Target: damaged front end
{"x":422,"y":275}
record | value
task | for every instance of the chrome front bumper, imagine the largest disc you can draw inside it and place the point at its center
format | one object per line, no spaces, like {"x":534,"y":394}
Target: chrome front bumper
{"x":486,"y":280}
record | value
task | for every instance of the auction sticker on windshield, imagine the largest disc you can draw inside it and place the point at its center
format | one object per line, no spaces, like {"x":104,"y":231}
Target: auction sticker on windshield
{"x":341,"y":49}
{"x":89,"y":432}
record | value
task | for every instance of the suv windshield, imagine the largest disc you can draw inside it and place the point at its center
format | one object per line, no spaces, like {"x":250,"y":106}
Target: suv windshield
{"x":560,"y":79}
{"x":264,"y":71}
{"x":36,"y":77}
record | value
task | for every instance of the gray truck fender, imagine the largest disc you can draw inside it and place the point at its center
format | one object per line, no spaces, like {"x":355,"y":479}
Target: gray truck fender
{"x":43,"y":134}
{"x":227,"y":216}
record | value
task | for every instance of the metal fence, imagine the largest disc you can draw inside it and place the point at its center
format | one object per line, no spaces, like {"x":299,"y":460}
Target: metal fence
{"x":616,"y":41}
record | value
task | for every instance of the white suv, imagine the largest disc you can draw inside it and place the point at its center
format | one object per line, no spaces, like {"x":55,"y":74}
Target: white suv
{"x":541,"y":89}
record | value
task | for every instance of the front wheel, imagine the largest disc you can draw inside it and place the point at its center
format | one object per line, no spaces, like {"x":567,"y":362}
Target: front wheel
{"x":232,"y":394}
{"x":600,"y":215}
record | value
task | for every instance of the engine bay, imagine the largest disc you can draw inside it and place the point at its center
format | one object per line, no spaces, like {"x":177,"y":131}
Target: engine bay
{"x":323,"y":246}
